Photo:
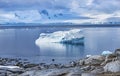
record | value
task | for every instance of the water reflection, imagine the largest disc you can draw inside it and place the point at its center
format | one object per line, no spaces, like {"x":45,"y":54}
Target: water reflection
{"x":17,"y":42}
{"x":61,"y":50}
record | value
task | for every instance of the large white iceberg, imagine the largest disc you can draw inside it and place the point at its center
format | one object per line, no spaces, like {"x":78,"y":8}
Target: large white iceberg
{"x":74,"y":36}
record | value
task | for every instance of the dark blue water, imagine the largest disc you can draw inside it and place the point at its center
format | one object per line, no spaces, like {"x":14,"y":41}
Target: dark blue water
{"x":21,"y":43}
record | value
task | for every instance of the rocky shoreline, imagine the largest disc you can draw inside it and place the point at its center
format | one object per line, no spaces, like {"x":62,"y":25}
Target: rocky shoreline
{"x":96,"y":65}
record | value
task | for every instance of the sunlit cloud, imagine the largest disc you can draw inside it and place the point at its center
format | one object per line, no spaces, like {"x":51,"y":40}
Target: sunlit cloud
{"x":71,"y":10}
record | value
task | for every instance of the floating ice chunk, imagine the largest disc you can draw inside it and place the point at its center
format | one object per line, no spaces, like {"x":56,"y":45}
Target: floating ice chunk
{"x":88,"y":56}
{"x":72,"y":36}
{"x":9,"y":67}
{"x":106,"y":52}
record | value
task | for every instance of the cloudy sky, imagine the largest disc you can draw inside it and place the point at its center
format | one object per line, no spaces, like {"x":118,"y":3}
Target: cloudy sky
{"x":42,"y":11}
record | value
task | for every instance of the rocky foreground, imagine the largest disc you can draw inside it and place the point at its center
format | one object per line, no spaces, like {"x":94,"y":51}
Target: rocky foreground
{"x":97,"y":65}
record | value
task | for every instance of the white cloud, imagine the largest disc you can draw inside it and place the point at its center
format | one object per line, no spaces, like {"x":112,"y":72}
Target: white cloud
{"x":6,"y":15}
{"x":27,"y":16}
{"x":9,"y":16}
{"x":90,"y":2}
{"x":97,"y":9}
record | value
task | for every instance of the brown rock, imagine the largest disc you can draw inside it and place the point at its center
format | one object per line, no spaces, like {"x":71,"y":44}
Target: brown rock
{"x":81,"y":62}
{"x":109,"y":58}
{"x":117,"y":53}
{"x":113,"y":66}
{"x":94,"y":60}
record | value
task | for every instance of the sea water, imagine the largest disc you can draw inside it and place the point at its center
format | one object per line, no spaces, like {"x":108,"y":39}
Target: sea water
{"x":20,"y":42}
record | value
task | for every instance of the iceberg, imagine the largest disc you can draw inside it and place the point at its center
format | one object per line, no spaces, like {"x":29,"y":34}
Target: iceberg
{"x":73,"y":36}
{"x":106,"y":52}
{"x":88,"y":56}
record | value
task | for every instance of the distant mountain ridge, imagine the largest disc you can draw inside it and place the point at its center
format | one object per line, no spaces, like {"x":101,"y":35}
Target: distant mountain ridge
{"x":46,"y":16}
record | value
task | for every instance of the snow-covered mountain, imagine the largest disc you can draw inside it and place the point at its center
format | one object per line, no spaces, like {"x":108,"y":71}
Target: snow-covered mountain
{"x":50,"y":15}
{"x":38,"y":16}
{"x":58,"y":15}
{"x":113,"y":20}
{"x":74,"y":36}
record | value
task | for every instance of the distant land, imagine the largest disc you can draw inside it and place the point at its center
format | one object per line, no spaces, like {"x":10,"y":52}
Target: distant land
{"x":37,"y":25}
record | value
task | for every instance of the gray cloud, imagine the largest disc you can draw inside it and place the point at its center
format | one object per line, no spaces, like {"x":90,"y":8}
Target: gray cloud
{"x":76,"y":8}
{"x":32,"y":4}
{"x":107,"y":6}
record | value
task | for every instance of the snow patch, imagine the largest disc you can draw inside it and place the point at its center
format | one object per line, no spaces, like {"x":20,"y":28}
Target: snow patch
{"x":9,"y":67}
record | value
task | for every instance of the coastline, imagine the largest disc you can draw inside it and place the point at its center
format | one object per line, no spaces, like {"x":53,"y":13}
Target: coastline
{"x":20,"y":26}
{"x":96,"y":65}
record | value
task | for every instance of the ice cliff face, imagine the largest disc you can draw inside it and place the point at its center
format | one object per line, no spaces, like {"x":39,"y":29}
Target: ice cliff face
{"x":71,"y":37}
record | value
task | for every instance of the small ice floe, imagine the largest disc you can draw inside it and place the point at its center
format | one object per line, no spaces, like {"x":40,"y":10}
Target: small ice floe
{"x":88,"y":56}
{"x":9,"y":67}
{"x":13,"y":69}
{"x":106,"y":52}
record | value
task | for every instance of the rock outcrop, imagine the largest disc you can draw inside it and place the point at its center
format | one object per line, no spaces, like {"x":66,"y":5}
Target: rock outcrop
{"x":96,"y":65}
{"x":113,"y":66}
{"x":94,"y":60}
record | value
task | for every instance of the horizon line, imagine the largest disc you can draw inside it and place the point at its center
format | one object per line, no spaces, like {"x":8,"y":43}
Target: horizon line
{"x":65,"y":25}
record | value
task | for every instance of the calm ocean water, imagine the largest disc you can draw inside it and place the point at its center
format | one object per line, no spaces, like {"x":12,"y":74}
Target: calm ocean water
{"x":21,"y":43}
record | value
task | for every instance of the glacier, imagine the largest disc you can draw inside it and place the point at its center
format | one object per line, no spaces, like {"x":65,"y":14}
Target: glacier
{"x":73,"y":36}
